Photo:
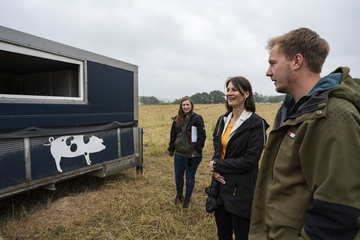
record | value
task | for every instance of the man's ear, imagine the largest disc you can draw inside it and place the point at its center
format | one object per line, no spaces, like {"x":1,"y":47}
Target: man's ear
{"x":298,"y":61}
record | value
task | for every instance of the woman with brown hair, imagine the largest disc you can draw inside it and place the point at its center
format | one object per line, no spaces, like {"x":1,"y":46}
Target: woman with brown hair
{"x":238,"y":140}
{"x":187,"y":139}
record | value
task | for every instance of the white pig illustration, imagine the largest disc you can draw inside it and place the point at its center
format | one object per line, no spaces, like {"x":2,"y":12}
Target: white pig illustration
{"x":73,"y":146}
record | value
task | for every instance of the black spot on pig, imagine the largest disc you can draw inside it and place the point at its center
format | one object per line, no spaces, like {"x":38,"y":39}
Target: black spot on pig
{"x":86,"y":139}
{"x":73,"y":147}
{"x":68,"y":140}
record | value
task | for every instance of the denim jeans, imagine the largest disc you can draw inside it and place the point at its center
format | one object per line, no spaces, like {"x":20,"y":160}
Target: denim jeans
{"x":181,"y":166}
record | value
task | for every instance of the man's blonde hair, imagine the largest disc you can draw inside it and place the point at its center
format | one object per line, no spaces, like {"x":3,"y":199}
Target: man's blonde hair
{"x":304,"y":41}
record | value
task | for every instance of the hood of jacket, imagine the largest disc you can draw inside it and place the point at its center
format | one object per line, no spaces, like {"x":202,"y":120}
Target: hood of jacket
{"x":338,"y":84}
{"x":348,"y":89}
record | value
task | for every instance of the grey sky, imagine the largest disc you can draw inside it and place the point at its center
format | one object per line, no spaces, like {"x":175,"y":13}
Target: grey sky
{"x":184,"y":47}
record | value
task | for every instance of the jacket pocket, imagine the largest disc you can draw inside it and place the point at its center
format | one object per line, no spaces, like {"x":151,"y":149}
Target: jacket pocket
{"x":179,"y":141}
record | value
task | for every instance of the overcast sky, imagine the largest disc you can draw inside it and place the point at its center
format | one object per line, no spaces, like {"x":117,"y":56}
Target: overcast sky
{"x":184,"y":47}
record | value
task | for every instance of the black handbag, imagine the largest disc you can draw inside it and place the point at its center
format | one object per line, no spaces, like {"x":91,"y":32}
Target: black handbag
{"x":212,"y":199}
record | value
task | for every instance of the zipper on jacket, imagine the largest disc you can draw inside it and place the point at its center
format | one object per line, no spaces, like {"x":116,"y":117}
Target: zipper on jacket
{"x":277,"y":151}
{"x":186,"y":144}
{"x":221,"y":125}
{"x":186,"y":147}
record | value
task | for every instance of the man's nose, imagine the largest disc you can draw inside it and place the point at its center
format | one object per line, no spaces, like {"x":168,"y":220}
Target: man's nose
{"x":268,"y":73}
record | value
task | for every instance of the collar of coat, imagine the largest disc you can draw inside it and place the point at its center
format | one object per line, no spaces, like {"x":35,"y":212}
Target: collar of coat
{"x":227,"y":117}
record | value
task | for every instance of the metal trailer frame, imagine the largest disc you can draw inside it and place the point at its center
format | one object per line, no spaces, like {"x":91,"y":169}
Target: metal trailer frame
{"x":80,"y":113}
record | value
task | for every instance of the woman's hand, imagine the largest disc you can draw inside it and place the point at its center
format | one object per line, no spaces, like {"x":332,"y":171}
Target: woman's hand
{"x":211,"y":165}
{"x":219,"y":178}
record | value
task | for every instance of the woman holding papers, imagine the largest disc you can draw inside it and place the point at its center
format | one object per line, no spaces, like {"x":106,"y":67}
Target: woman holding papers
{"x":187,"y":139}
{"x":238,"y":140}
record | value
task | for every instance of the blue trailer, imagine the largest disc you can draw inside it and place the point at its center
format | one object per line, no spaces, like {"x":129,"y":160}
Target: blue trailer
{"x":64,"y":112}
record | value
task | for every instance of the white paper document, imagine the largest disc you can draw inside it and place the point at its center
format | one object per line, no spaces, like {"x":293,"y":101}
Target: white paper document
{"x":193,"y":134}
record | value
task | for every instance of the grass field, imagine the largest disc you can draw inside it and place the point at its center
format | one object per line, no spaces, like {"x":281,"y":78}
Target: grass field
{"x":125,"y":205}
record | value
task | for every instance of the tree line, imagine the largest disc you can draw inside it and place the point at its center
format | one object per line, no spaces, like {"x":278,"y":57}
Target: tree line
{"x":217,"y":96}
{"x":214,"y":97}
{"x":259,"y":98}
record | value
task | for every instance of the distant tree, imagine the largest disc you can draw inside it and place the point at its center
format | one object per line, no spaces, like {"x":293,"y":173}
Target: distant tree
{"x":197,"y":98}
{"x":201,"y":98}
{"x":357,"y":80}
{"x":206,"y":98}
{"x":259,"y":98}
{"x":149,"y":100}
{"x":177,"y":101}
{"x":256,"y":97}
{"x":217,"y":96}
{"x":276,"y":99}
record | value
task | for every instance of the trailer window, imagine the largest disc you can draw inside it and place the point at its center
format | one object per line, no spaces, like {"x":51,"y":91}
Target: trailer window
{"x":31,"y":76}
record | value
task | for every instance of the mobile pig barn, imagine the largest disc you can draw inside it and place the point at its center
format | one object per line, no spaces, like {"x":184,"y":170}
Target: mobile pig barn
{"x":64,"y":112}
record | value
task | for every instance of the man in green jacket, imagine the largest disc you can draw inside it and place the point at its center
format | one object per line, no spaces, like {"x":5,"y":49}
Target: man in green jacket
{"x":309,"y":181}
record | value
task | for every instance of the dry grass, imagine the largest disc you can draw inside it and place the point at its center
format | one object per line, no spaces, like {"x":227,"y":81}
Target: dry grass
{"x":125,"y":205}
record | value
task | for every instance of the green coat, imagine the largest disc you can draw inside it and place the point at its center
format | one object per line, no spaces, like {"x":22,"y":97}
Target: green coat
{"x":309,"y":181}
{"x":180,"y":138}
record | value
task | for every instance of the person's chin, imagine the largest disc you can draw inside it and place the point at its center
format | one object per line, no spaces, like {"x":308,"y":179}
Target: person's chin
{"x":280,"y":89}
{"x":233,"y":105}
